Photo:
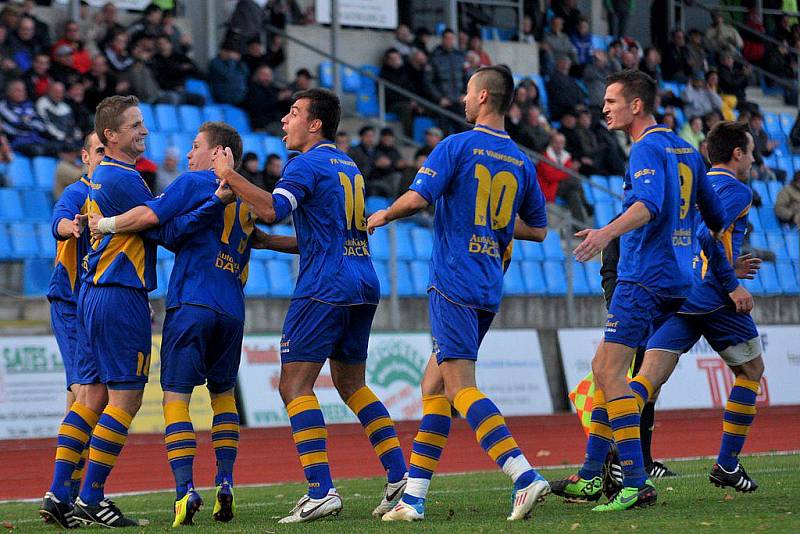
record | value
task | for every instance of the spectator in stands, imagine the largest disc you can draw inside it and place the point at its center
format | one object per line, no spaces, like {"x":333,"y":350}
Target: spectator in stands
{"x":41,"y":29}
{"x":594,"y":77}
{"x":564,"y":93}
{"x":380,"y":177}
{"x":251,"y":169}
{"x":172,"y":69}
{"x":168,"y":170}
{"x":779,"y":62}
{"x":534,"y":99}
{"x":403,"y":41}
{"x":343,"y":141}
{"x":24,"y":128}
{"x":433,"y":137}
{"x":533,"y":130}
{"x":273,"y":168}
{"x":613,"y":158}
{"x":528,"y":35}
{"x":265,"y":103}
{"x":395,"y":71}
{"x":675,"y":64}
{"x":698,"y":99}
{"x":57,"y":115}
{"x":423,"y":39}
{"x":582,"y":41}
{"x":104,"y":26}
{"x":787,"y":205}
{"x":100,"y":83}
{"x":276,"y":54}
{"x":302,"y":81}
{"x":723,"y":38}
{"x":447,"y":82}
{"x":615,"y":49}
{"x":149,"y":25}
{"x":764,"y":147}
{"x":68,"y":169}
{"x":228,"y":75}
{"x":116,"y":52}
{"x":556,"y":44}
{"x":181,"y":42}
{"x":794,"y":135}
{"x":81,"y":60}
{"x":38,"y":79}
{"x":618,"y":12}
{"x":513,"y":121}
{"x":559,"y":183}
{"x":255,"y":54}
{"x":692,"y":131}
{"x":387,"y":145}
{"x":651,"y":64}
{"x":283,"y":12}
{"x":783,"y":29}
{"x":669,"y":120}
{"x":476,"y":45}
{"x":61,"y":69}
{"x":25,"y":45}
{"x":7,"y":65}
{"x":696,"y":57}
{"x":566,"y":10}
{"x":76,"y":95}
{"x":733,"y":79}
{"x":629,"y":60}
{"x":754,"y":46}
{"x":521,"y":97}
{"x":147,"y":168}
{"x":472,"y":62}
{"x":142,"y":78}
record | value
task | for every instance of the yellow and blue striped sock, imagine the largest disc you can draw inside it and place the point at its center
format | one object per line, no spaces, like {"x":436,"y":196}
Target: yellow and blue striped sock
{"x":642,"y":390}
{"x":310,"y":437}
{"x":73,"y":435}
{"x":181,"y":442}
{"x":225,"y":436}
{"x":600,"y":439}
{"x":77,"y":475}
{"x":740,"y":410}
{"x":107,"y":441}
{"x":428,"y":445}
{"x":623,"y":414}
{"x":380,"y":430}
{"x":493,"y":435}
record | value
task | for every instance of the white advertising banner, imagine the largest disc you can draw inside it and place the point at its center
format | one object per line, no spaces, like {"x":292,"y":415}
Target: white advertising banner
{"x":362,"y":13}
{"x":701,"y":379}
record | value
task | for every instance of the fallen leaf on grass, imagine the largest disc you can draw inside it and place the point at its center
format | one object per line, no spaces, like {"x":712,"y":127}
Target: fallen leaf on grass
{"x":706,"y":524}
{"x":670,"y":488}
{"x":10,"y":526}
{"x":575,"y":526}
{"x":727,"y":497}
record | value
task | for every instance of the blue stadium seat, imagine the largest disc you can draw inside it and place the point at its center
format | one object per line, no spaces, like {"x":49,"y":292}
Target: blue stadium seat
{"x":326,"y":74}
{"x":593,"y":277}
{"x":351,"y":79}
{"x":237,"y":118}
{"x":162,"y":282}
{"x":5,"y":243}
{"x":552,"y":247}
{"x":534,"y":277}
{"x":616,"y":184}
{"x":274,"y":145}
{"x":513,"y":281}
{"x":44,"y":172}
{"x":787,"y":121}
{"x":257,"y":279}
{"x":423,"y":243}
{"x":603,"y":213}
{"x":148,"y":116}
{"x":671,"y":86}
{"x":379,"y":244}
{"x":253,"y":142}
{"x":10,"y":205}
{"x":601,"y":188}
{"x":599,"y":43}
{"x":579,"y":284}
{"x":554,"y":278}
{"x":182,"y":142}
{"x":261,"y":254}
{"x":792,"y":243}
{"x":419,"y":126}
{"x":19,"y":173}
{"x":680,"y":116}
{"x":439,"y":28}
{"x":616,"y":204}
{"x":769,"y":278}
{"x":420,"y":277}
{"x":787,"y":278}
{"x":405,"y":284}
{"x":760,"y":187}
{"x":382,"y":270}
{"x":167,"y":118}
{"x":488,"y":33}
{"x":367,"y":104}
{"x":156,"y":146}
{"x":191,"y":117}
{"x":375,"y":203}
{"x":37,"y":205}
{"x":768,"y":219}
{"x":368,"y":85}
{"x":758,"y":240}
{"x":46,"y":243}
{"x":36,"y":277}
{"x":588,"y":191}
{"x":772,"y":122}
{"x":529,"y":250}
{"x":405,"y":250}
{"x":506,"y":34}
{"x":754,"y":286}
{"x":774,"y":188}
{"x":776,"y":244}
{"x":785,"y":163}
{"x":755,"y":220}
{"x":24,"y":242}
{"x":284,"y":230}
{"x":281,"y":278}
{"x":213,"y":112}
{"x":199,"y":87}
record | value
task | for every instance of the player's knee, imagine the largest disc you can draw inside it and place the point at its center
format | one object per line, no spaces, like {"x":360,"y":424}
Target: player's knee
{"x":752,"y":370}
{"x":348,"y":388}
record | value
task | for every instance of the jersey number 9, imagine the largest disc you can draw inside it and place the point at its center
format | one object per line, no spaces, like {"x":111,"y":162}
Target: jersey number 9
{"x":354,"y":201}
{"x":496,"y":192}
{"x":687,"y":178}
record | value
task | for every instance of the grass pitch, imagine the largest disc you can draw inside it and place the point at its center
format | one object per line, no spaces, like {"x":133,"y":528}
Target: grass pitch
{"x":479,"y":502}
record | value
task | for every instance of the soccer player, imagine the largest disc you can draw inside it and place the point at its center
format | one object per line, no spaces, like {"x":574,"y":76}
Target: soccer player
{"x":72,"y":246}
{"x":114,"y":336}
{"x":204,"y":324}
{"x":334,"y":302}
{"x":479,"y":182}
{"x":718,"y":307}
{"x":665,"y":179}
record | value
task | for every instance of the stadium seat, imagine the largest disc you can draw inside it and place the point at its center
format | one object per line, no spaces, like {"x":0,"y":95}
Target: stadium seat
{"x":405,"y":285}
{"x":769,"y":278}
{"x":281,"y":278}
{"x":554,"y":278}
{"x":768,"y":219}
{"x":760,"y":187}
{"x":24,"y":242}
{"x":213,"y":112}
{"x":593,"y":277}
{"x":19,"y":173}
{"x":774,"y":187}
{"x":44,"y":172}
{"x":420,"y":276}
{"x":758,"y":240}
{"x":368,"y":85}
{"x":599,"y":43}
{"x":375,"y":203}
{"x":284,"y":230}
{"x":382,"y":271}
{"x":600,"y":188}
{"x":237,"y":118}
{"x":785,"y":163}
{"x":603,"y":213}
{"x":351,"y":79}
{"x":167,"y":118}
{"x":37,"y":205}
{"x":182,"y":142}
{"x":423,"y":243}
{"x":552,"y":247}
{"x":253,"y":142}
{"x":191,"y":117}
{"x":534,"y":277}
{"x":420,"y":125}
{"x":379,"y":244}
{"x":513,"y":281}
{"x":755,"y":220}
{"x":274,"y":145}
{"x":148,"y":116}
{"x":199,"y":87}
{"x":262,"y":254}
{"x":46,"y":242}
{"x":680,"y":116}
{"x":162,"y":282}
{"x":588,"y":191}
{"x":5,"y":243}
{"x":156,"y":146}
{"x":792,"y":243}
{"x":506,"y":34}
{"x":787,"y":121}
{"x":528,"y":250}
{"x":488,"y":33}
{"x":772,"y":122}
{"x":367,"y":104}
{"x":10,"y":205}
{"x":257,"y":279}
{"x":579,"y":284}
{"x":787,"y":278}
{"x":36,"y":277}
{"x":776,"y":244}
{"x":326,"y":74}
{"x":617,"y":185}
{"x":405,"y":250}
{"x":754,"y":286}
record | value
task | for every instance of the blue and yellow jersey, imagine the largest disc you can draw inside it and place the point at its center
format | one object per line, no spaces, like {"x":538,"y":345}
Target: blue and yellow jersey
{"x":479,"y":182}
{"x":669,"y":177}
{"x":211,"y":259}
{"x":127,"y":260}
{"x":325,"y":190}
{"x":710,"y":291}
{"x":66,"y":281}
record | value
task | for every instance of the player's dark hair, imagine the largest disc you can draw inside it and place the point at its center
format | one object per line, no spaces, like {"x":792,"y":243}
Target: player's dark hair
{"x":724,"y":138}
{"x":323,"y":105}
{"x":87,"y":141}
{"x":499,"y":82}
{"x":224,"y":135}
{"x":636,"y":84}
{"x":109,"y":114}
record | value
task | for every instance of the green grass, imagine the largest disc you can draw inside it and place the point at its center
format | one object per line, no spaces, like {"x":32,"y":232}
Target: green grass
{"x":479,"y":503}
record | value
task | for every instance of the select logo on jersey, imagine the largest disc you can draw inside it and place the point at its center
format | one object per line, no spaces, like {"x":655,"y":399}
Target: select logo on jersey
{"x":356,"y":247}
{"x":682,"y":238}
{"x":644,"y":172}
{"x":479,"y":244}
{"x":426,"y":170}
{"x":395,"y":361}
{"x":226,"y":262}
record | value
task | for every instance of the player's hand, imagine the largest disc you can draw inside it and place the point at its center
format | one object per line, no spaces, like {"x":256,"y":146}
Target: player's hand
{"x":224,"y":193}
{"x":223,"y":160}
{"x":742,"y":298}
{"x":747,"y":266}
{"x":376,"y":220}
{"x":78,"y":224}
{"x":94,"y":226}
{"x":594,"y":242}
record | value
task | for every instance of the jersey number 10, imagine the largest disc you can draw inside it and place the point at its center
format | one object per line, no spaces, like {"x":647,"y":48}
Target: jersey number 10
{"x":354,"y":201}
{"x":496,"y":192}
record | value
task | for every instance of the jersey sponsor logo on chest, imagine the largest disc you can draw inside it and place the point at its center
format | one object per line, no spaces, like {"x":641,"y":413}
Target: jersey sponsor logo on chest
{"x":479,"y":244}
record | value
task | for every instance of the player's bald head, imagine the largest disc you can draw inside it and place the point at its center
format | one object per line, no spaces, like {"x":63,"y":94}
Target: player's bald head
{"x":499,"y":83}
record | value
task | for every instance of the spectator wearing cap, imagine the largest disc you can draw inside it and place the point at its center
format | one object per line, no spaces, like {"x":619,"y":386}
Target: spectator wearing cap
{"x":447,"y":81}
{"x":62,"y":69}
{"x":723,"y":38}
{"x":228,"y":75}
{"x":24,"y":128}
{"x":168,"y":170}
{"x":433,"y":137}
{"x":38,"y":79}
{"x":302,"y":81}
{"x":698,"y":99}
{"x":265,"y":103}
{"x":57,"y":115}
{"x":787,"y":205}
{"x":172,"y":69}
{"x":564,"y":92}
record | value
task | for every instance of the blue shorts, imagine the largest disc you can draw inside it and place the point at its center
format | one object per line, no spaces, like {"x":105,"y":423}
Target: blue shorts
{"x":315,"y":331}
{"x":457,"y":330}
{"x":636,"y":312}
{"x":722,"y":329}
{"x":198,"y":345}
{"x":114,"y":337}
{"x":64,"y":320}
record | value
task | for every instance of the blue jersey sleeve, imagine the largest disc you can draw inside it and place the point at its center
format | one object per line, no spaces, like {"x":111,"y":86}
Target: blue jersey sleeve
{"x":176,"y":229}
{"x":67,"y":207}
{"x":179,"y":197}
{"x":647,"y":177}
{"x":298,"y":180}
{"x":717,"y":260}
{"x":711,"y":209}
{"x":532,"y":210}
{"x":434,"y":176}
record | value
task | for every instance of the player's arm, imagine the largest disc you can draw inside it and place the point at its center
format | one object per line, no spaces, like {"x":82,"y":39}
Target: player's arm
{"x":529,"y":233}
{"x":261,"y":202}
{"x":278,"y":243}
{"x":408,"y":204}
{"x":531,"y":221}
{"x":64,"y":223}
{"x":175,"y":230}
{"x":721,"y":267}
{"x":595,"y":241}
{"x":714,"y":212}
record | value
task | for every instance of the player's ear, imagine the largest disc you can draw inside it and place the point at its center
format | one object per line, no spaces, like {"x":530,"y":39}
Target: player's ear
{"x":315,"y":126}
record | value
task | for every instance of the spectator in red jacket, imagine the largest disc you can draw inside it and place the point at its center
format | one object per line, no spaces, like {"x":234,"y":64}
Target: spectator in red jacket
{"x":557,"y":183}
{"x":81,"y":59}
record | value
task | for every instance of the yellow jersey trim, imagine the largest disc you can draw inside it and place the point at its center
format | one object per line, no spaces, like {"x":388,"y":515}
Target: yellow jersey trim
{"x":648,"y":132}
{"x":490,"y":132}
{"x":111,"y":163}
